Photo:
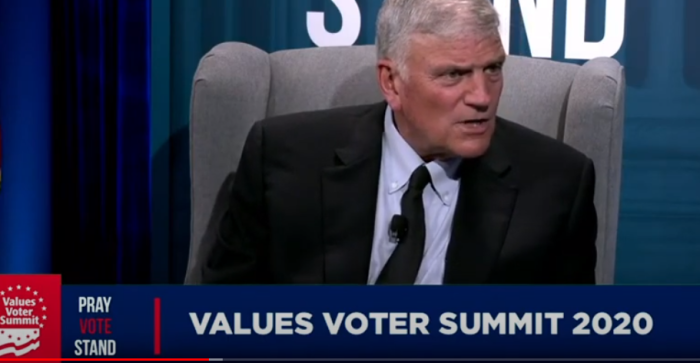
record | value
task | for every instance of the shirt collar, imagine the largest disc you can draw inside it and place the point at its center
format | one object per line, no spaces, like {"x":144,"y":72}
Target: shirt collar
{"x":402,"y":160}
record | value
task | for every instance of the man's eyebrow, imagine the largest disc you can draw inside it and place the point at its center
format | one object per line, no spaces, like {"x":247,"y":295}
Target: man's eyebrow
{"x":499,"y":60}
{"x":470,"y":66}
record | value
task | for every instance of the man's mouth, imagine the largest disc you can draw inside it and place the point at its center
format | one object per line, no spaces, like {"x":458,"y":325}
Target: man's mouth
{"x":475,"y":121}
{"x":474,"y":127}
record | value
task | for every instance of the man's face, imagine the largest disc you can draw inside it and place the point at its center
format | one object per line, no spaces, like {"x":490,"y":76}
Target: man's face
{"x":445,"y":103}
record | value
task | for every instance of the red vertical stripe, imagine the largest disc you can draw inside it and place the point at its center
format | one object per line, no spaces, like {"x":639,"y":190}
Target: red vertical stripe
{"x":156,"y":323}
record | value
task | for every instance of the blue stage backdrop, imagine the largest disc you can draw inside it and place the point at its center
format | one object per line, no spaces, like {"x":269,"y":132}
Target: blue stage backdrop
{"x":25,"y":96}
{"x":75,"y":108}
{"x":656,"y":40}
{"x":100,"y":150}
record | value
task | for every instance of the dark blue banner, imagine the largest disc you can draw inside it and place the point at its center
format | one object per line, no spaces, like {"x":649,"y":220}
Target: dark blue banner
{"x":381,"y":322}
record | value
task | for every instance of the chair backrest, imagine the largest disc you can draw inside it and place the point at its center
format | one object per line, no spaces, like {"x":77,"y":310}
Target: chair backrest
{"x":237,"y":84}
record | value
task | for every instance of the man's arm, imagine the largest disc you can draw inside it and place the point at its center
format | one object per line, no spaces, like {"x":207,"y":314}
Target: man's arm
{"x":239,"y":253}
{"x":575,"y":260}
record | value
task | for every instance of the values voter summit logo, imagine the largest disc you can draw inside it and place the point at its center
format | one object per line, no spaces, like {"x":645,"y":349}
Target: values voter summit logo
{"x":30,"y":320}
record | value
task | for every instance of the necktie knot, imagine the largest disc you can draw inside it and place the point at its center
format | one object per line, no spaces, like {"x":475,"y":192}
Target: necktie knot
{"x":419,"y":178}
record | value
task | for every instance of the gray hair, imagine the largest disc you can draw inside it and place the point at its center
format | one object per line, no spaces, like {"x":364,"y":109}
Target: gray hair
{"x":398,"y":20}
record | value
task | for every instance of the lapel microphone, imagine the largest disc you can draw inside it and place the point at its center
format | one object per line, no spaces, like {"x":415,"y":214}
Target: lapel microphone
{"x":398,"y":228}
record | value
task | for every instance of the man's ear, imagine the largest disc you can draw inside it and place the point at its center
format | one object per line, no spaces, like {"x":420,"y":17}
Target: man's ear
{"x":390,"y":83}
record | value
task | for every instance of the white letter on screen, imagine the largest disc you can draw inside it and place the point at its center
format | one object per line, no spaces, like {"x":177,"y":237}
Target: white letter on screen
{"x":449,"y":327}
{"x":200,"y":326}
{"x":397,"y":324}
{"x":378,"y":321}
{"x":576,"y":45}
{"x":351,"y":327}
{"x":303,"y":321}
{"x":419,"y":321}
{"x":237,"y":325}
{"x":503,"y":9}
{"x":554,"y":321}
{"x":538,"y":19}
{"x":284,"y":323}
{"x":333,"y":325}
{"x":261,"y":329}
{"x":518,"y":323}
{"x":349,"y":31}
{"x":220,"y":324}
{"x":497,"y":323}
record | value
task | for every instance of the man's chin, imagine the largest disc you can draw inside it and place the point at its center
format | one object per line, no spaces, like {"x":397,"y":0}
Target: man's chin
{"x":472,"y":149}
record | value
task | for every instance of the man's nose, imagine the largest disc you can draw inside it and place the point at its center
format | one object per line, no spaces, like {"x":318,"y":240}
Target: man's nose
{"x":478,"y":95}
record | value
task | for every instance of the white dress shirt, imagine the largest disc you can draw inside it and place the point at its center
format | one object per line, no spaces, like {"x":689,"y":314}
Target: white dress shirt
{"x":399,"y":160}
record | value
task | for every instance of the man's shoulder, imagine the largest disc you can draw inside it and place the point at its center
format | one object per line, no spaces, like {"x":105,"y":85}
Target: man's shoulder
{"x":316,"y":121}
{"x":311,"y":136}
{"x":539,"y":153}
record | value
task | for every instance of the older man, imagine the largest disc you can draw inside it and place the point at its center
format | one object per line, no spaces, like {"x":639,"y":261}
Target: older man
{"x":428,"y":187}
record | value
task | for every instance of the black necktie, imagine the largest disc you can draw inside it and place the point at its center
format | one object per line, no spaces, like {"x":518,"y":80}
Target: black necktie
{"x":405,"y":261}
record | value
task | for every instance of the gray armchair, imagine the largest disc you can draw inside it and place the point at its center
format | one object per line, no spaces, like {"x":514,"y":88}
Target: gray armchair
{"x":237,"y":84}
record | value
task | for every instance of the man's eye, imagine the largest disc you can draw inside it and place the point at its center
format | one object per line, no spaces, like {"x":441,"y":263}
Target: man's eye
{"x":494,"y":68}
{"x":454,"y":74}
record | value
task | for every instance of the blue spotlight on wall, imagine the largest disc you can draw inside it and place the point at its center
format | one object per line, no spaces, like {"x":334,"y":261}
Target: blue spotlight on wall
{"x":25,"y":95}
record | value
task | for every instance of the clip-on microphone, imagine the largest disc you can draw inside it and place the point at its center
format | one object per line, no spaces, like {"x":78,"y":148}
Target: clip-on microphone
{"x":398,"y":228}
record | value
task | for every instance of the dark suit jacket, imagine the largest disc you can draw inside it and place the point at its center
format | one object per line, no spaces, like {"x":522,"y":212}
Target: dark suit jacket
{"x":303,"y":205}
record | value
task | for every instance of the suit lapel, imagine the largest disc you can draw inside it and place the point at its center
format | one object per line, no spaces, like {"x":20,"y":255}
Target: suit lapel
{"x":349,"y":201}
{"x":486,"y":199}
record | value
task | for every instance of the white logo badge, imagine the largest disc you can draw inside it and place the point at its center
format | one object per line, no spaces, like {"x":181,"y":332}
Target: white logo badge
{"x":22,"y":317}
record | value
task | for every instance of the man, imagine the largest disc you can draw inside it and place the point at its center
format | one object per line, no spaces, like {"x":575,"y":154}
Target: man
{"x":429,"y":187}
